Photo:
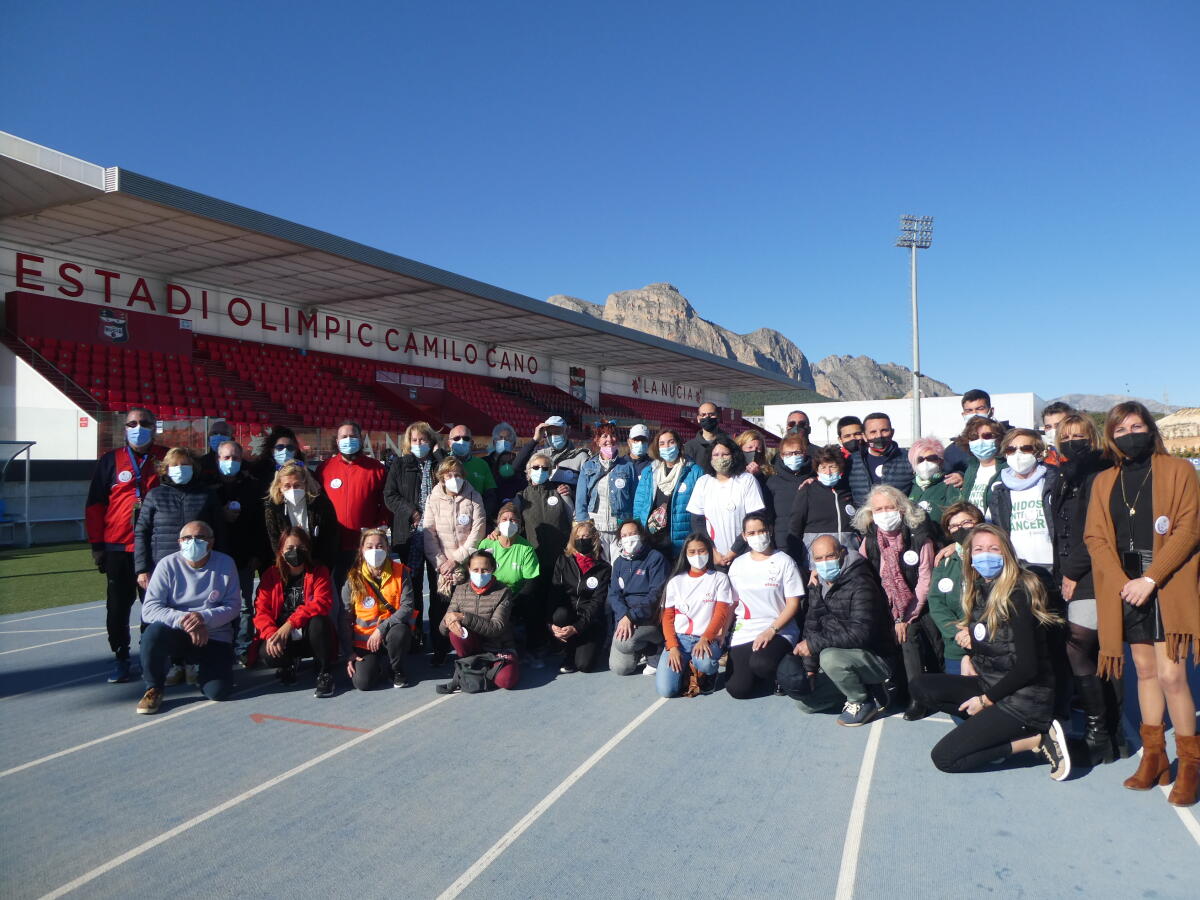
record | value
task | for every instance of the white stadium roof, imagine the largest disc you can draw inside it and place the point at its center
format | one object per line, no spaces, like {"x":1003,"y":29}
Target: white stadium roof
{"x":76,"y":208}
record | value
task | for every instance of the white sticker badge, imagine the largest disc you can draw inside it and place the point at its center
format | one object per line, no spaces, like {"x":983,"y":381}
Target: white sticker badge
{"x":924,"y":504}
{"x":980,"y":631}
{"x":125,"y":477}
{"x":850,"y":510}
{"x":911,"y":558}
{"x":593,"y":582}
{"x":946,"y":585}
{"x":464,"y":519}
{"x":552,"y":500}
{"x":620,"y":483}
{"x":683,"y":487}
{"x":368,"y":602}
{"x":1162,"y":525}
{"x":336,"y":483}
{"x":621,"y":583}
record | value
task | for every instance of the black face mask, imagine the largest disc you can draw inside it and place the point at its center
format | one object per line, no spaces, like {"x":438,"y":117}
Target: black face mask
{"x":853,"y":445}
{"x":960,"y":534}
{"x":709,"y":424}
{"x":297,"y":556}
{"x":585,"y":545}
{"x":880,"y":443}
{"x":1078,"y":449}
{"x":799,"y":428}
{"x":749,"y":455}
{"x":1137,"y":445}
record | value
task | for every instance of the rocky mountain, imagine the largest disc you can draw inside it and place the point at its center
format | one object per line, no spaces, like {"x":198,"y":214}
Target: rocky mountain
{"x":1105,"y":402}
{"x":861,"y":378}
{"x":661,"y":310}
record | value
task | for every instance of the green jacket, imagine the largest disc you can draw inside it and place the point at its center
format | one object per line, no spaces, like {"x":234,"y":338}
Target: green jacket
{"x":969,"y":482}
{"x":935,"y":499}
{"x":516,"y":566}
{"x":945,"y":602}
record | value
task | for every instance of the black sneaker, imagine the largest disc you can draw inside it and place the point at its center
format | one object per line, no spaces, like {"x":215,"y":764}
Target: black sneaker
{"x":401,"y":681}
{"x":324,"y":685}
{"x":1054,"y":749}
{"x":448,"y":688}
{"x":567,"y":668}
{"x":286,"y":674}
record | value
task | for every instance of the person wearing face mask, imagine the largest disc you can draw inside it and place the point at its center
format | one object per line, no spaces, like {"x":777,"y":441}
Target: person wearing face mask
{"x":292,"y":613}
{"x":930,"y":489}
{"x":517,"y":568}
{"x":638,"y":443}
{"x":477,"y":621}
{"x":896,"y":541}
{"x":767,"y":590}
{"x":454,"y":524}
{"x":353,"y":482}
{"x":478,"y":472}
{"x":842,"y":659}
{"x":240,"y":497}
{"x":850,"y":436}
{"x":663,"y":492}
{"x":754,"y":450}
{"x":295,"y":500}
{"x":547,"y":517}
{"x":188,"y":612}
{"x":377,"y":603}
{"x":577,"y":597}
{"x":410,"y":479}
{"x":1009,"y":704}
{"x":551,"y":438}
{"x":975,"y":403}
{"x":792,"y":468}
{"x":981,"y":437}
{"x":821,"y":506}
{"x":604,"y":493}
{"x":1021,"y":502}
{"x":1143,"y":534}
{"x":1052,"y":416}
{"x":279,"y":447}
{"x":697,"y":610}
{"x":501,"y":459}
{"x":1080,"y":461}
{"x":218,"y":433}
{"x":881,"y":461}
{"x":122,"y":479}
{"x":945,"y":586}
{"x":634,"y":593}
{"x":798,"y":424}
{"x":708,"y":417}
{"x":721,"y":500}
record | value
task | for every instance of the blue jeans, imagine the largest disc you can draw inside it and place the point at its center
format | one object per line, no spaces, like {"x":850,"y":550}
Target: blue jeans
{"x":669,"y":683}
{"x":162,"y":642}
{"x":953,"y":666}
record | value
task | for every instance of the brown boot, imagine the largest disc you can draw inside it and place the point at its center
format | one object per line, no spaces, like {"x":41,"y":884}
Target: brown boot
{"x":1187,"y":777}
{"x":1154,"y":768}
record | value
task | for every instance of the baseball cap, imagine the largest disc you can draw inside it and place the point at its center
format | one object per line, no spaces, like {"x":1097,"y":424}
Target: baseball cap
{"x":556,"y":422}
{"x":639,"y":431}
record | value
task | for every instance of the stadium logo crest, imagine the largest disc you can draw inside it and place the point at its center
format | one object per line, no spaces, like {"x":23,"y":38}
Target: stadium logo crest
{"x":114,"y":326}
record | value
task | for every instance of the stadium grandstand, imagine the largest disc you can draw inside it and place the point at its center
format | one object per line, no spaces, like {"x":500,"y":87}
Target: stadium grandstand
{"x":122,"y":290}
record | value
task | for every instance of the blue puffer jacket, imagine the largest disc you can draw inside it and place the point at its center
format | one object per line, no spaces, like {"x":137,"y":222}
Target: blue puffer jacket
{"x":166,"y":509}
{"x":621,"y":484}
{"x":643,"y":501}
{"x":636,"y":587}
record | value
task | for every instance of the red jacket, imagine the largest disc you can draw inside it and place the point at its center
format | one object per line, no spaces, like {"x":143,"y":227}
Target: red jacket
{"x":355,"y":489}
{"x":268,"y":603}
{"x":113,"y":492}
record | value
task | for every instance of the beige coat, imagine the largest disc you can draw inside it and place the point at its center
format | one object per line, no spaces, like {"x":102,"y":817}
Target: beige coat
{"x":454,"y":524}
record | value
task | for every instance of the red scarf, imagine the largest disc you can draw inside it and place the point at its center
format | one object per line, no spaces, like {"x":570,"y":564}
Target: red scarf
{"x":585,"y":563}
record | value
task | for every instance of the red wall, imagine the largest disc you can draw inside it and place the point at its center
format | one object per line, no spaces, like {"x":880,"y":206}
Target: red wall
{"x":36,"y":315}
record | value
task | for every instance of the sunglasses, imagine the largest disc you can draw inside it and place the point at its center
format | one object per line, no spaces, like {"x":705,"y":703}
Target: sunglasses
{"x":1024,"y":448}
{"x":796,"y":423}
{"x":985,"y":436}
{"x":284,"y":447}
{"x":145,"y":423}
{"x":538,"y":468}
{"x":936,"y":459}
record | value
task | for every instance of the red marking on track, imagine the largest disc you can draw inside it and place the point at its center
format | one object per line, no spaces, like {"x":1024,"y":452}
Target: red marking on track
{"x":259,"y":718}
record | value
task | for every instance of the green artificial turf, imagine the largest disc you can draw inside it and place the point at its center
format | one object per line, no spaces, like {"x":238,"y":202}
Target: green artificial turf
{"x":48,"y":575}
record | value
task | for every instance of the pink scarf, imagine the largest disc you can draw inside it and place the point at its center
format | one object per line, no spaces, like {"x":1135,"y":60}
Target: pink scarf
{"x":899,"y":594}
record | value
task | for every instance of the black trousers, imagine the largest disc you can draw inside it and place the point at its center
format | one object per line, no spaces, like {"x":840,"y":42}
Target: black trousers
{"x":122,"y":591}
{"x":582,"y":649}
{"x":982,"y":738}
{"x":753,"y":671}
{"x":374,"y":667}
{"x":922,"y":649}
{"x":318,"y":642}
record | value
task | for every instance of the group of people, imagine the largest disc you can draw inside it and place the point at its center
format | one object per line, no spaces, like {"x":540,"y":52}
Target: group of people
{"x":996,"y":579}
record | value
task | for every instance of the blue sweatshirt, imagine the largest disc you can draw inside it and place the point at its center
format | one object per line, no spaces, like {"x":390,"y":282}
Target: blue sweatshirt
{"x":636,"y":585}
{"x":177,"y":589}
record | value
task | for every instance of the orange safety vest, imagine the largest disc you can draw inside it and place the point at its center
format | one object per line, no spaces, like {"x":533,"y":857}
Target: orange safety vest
{"x":368,"y":610}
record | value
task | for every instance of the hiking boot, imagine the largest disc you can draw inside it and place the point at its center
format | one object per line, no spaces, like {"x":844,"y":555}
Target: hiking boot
{"x":120,"y":672}
{"x":1054,"y":749}
{"x":450,"y":687}
{"x":855,"y":714}
{"x":324,"y":685}
{"x":150,"y":702}
{"x":175,"y":675}
{"x":191,"y":672}
{"x":286,"y":674}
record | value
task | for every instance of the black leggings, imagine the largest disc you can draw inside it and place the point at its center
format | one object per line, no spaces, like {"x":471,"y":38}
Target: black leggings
{"x":317,"y":642}
{"x":580,"y":650}
{"x":373,"y":667}
{"x":981,"y":739}
{"x":749,"y":669}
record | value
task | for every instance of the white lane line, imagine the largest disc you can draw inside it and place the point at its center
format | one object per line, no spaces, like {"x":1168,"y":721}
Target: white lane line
{"x":50,"y":687}
{"x":546,"y":802}
{"x":858,"y":814}
{"x":191,"y":823}
{"x":45,"y":630}
{"x":52,"y":643}
{"x":61,"y":612}
{"x":154,"y":720}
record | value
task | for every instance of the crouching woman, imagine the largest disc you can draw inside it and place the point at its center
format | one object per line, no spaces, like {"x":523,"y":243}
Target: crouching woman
{"x":479,"y":620}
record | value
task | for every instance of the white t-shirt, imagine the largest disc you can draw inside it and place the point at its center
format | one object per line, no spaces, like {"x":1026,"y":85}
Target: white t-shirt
{"x":760,"y":592}
{"x":1027,"y":530}
{"x":693,"y":599}
{"x":978,"y":490}
{"x":723,"y":505}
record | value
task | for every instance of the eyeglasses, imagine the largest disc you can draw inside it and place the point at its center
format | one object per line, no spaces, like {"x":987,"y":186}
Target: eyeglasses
{"x":145,"y":423}
{"x":936,"y":459}
{"x":956,"y":526}
{"x":985,"y":436}
{"x":1024,"y":448}
{"x":538,"y":468}
{"x":791,"y":455}
{"x":189,"y":538}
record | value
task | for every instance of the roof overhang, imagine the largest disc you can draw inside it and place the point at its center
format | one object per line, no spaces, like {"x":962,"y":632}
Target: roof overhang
{"x":73,"y":208}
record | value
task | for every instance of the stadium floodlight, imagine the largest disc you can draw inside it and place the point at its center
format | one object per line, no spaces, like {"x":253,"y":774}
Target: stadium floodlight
{"x":916,"y":233}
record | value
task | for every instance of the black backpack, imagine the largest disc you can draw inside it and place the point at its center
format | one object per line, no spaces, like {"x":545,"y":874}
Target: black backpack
{"x":477,"y":673}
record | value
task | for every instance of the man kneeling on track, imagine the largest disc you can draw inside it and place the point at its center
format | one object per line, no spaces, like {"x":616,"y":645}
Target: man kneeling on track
{"x":191,"y":602}
{"x":848,"y":631}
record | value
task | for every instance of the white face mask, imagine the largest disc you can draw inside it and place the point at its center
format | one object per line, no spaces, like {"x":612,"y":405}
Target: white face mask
{"x":1022,"y":463}
{"x":698,"y":561}
{"x":375,"y":557}
{"x":508,"y":528}
{"x":293,"y":495}
{"x":928,"y":470}
{"x":1051,"y":437}
{"x":631,"y":544}
{"x":454,"y":484}
{"x":759,"y":542}
{"x":888,"y":520}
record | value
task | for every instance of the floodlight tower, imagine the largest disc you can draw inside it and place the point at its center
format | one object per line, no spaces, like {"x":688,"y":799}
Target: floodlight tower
{"x":916,"y":233}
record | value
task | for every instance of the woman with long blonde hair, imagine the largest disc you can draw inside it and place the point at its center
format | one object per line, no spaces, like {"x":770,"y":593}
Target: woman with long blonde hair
{"x":1010,"y":701}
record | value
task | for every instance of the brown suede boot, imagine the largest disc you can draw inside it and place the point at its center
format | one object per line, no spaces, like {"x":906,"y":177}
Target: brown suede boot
{"x":1187,"y":777}
{"x":1154,"y":768}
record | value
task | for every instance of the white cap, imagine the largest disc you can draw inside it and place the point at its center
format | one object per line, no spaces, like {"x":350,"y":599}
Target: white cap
{"x":556,"y":422}
{"x":638,"y":431}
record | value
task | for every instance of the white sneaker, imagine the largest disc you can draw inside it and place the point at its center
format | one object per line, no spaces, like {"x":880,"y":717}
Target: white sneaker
{"x":649,"y":670}
{"x":192,"y":673}
{"x":174,"y":675}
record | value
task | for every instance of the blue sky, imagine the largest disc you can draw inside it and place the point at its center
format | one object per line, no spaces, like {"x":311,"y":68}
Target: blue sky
{"x":755,"y":155}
